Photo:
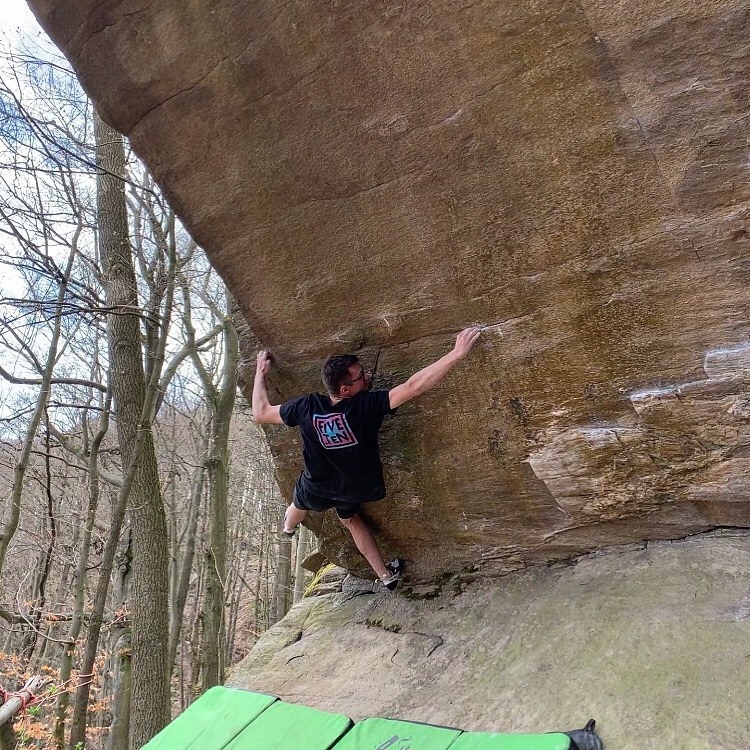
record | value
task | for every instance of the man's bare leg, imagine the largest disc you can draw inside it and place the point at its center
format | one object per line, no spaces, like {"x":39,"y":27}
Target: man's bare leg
{"x":293,"y":517}
{"x":366,"y":544}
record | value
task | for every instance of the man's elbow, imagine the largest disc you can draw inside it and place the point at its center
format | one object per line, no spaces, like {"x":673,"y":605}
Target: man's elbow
{"x":268,"y":415}
{"x":415,"y":387}
{"x":261,"y":416}
{"x":403,"y":393}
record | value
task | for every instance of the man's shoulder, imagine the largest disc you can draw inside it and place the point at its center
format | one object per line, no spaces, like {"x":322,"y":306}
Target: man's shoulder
{"x":295,"y":408}
{"x":370,"y":396}
{"x":295,"y":400}
{"x":372,"y":401}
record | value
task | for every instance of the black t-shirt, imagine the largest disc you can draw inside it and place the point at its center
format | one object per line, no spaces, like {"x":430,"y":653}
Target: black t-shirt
{"x":340,"y":444}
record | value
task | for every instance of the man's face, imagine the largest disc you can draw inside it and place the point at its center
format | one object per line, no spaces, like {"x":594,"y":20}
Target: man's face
{"x":359,"y":380}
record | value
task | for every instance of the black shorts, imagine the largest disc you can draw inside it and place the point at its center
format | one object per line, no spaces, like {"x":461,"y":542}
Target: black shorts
{"x":306,"y":501}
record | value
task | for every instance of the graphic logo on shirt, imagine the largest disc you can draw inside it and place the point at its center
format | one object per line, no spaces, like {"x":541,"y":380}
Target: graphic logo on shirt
{"x":333,"y":431}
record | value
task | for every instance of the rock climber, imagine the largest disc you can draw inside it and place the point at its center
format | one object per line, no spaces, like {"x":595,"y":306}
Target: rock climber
{"x":340,"y":440}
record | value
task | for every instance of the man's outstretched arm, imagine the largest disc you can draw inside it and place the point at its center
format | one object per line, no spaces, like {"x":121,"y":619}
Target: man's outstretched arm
{"x":263,"y":411}
{"x":423,"y":380}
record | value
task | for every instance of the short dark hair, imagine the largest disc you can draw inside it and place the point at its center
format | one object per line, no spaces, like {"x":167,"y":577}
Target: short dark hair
{"x":335,"y":371}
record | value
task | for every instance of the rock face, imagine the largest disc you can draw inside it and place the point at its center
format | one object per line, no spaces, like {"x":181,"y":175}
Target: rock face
{"x":374,"y":175}
{"x":653,"y":643}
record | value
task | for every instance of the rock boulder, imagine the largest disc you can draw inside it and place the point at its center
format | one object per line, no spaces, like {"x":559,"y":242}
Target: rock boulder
{"x":373,"y":175}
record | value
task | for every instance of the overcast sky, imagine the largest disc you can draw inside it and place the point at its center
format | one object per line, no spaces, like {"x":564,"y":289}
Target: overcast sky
{"x":17,"y":22}
{"x":17,"y":14}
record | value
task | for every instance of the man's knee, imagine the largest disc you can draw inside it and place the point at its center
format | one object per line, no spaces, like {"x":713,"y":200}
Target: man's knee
{"x":353,"y":524}
{"x":348,"y":514}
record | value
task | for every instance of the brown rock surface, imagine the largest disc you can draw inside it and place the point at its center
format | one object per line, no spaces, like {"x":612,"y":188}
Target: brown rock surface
{"x":376,"y":173}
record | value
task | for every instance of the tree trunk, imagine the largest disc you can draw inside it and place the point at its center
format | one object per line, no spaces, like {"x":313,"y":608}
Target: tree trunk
{"x":222,"y":407}
{"x":183,"y":569}
{"x":39,"y":591}
{"x":77,"y":737}
{"x":121,"y":654}
{"x":283,"y":575}
{"x":303,"y":549}
{"x":79,"y":599}
{"x":16,"y":701}
{"x":121,"y":693}
{"x":133,"y":408}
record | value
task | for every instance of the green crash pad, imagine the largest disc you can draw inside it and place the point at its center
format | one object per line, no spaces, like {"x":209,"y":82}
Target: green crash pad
{"x":489,"y":741}
{"x":287,"y":727}
{"x":229,"y":719}
{"x":212,"y":721}
{"x":390,"y":734}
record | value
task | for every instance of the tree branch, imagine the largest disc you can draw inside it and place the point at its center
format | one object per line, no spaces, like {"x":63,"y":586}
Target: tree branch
{"x":55,"y":381}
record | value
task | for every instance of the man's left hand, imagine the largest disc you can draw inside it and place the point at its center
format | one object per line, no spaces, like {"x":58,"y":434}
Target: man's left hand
{"x":466,"y":339}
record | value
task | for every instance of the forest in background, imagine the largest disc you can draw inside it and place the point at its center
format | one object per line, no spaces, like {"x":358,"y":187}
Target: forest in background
{"x":140,"y":553}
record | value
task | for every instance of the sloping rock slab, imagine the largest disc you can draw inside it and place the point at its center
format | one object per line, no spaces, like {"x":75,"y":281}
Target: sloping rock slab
{"x":653,"y":642}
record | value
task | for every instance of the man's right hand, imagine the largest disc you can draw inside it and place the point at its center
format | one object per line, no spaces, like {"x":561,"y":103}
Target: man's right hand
{"x":264,"y":363}
{"x":263,"y":411}
{"x":466,"y":339}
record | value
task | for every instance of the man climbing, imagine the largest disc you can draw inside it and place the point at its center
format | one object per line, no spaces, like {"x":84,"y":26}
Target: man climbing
{"x":340,"y":440}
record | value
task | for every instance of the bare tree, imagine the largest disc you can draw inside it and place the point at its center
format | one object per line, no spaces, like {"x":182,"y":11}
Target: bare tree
{"x":44,"y":381}
{"x":209,"y":574}
{"x":219,"y":399}
{"x":134,"y":401}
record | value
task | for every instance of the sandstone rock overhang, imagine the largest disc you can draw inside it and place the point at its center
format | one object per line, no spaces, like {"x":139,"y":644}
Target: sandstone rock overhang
{"x":377,"y":174}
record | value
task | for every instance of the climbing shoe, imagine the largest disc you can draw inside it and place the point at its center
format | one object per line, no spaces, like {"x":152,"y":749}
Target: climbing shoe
{"x":395,"y":569}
